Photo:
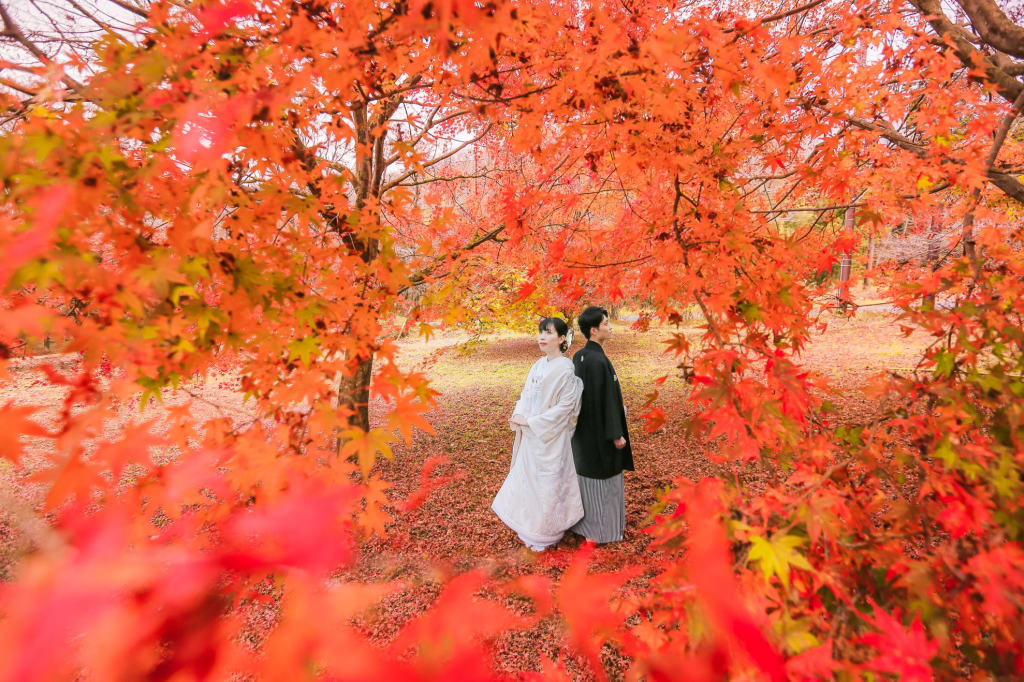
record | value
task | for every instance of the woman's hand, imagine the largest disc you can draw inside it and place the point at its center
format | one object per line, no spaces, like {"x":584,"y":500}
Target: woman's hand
{"x":518,"y":420}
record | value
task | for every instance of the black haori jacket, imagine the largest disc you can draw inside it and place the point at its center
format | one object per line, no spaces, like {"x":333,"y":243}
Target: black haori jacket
{"x":602,"y":417}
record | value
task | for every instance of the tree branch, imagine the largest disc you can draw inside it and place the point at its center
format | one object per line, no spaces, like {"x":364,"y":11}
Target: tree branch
{"x":577,"y":264}
{"x":14,"y":31}
{"x":994,"y":27}
{"x":795,"y":10}
{"x":898,"y":139}
{"x":443,"y":178}
{"x":856,"y":204}
{"x":1008,"y":86}
{"x":131,"y":8}
{"x":408,"y":174}
{"x":421,"y":276}
{"x":1010,"y":185}
{"x":1003,"y":130}
{"x":431,"y":123}
{"x":16,"y":86}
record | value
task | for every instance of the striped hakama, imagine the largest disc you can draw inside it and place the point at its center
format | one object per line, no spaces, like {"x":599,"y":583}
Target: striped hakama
{"x":604,"y":508}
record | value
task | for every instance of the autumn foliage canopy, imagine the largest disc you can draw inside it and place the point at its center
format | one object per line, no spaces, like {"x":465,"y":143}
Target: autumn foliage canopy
{"x":282,"y":188}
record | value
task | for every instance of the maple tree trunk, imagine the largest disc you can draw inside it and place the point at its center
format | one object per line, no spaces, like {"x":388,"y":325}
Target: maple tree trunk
{"x":354,"y":394}
{"x":354,"y":390}
{"x":871,"y":260}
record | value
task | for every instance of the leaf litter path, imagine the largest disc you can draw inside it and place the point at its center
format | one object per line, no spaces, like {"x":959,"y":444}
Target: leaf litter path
{"x":455,"y":528}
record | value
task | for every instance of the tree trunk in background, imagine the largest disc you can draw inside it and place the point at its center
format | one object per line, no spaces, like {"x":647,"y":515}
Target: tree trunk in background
{"x":932,"y":254}
{"x":845,"y":263}
{"x":871,"y":260}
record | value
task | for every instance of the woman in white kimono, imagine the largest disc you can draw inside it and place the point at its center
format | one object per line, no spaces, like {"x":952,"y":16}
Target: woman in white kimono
{"x":540,"y":498}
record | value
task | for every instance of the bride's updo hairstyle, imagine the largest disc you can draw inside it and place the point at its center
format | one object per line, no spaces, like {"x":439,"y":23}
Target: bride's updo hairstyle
{"x":558,"y":326}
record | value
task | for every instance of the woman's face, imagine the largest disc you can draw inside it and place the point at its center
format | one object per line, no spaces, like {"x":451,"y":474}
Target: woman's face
{"x":549,"y":340}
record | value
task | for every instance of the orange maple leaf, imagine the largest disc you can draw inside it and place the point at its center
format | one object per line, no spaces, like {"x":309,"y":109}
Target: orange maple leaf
{"x":406,"y":414}
{"x":17,"y":423}
{"x":365,"y":445}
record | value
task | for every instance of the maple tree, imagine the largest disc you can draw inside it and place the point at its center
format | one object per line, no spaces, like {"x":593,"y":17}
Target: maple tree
{"x":237,"y":185}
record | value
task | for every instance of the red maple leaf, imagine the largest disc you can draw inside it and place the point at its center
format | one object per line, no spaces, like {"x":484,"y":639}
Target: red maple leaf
{"x":710,"y":569}
{"x":905,"y":652}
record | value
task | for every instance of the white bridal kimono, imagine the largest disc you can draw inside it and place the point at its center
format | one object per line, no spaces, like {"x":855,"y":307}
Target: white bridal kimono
{"x":540,"y":498}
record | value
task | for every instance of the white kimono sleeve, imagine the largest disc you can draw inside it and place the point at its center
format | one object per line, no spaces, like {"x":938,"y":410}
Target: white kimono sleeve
{"x":560,"y":416}
{"x":520,"y":407}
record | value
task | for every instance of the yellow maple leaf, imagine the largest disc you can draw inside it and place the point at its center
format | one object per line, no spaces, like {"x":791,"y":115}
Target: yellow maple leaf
{"x":777,"y":555}
{"x":365,"y":445}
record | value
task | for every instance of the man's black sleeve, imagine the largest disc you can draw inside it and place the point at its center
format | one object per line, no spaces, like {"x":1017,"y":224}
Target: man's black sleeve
{"x":611,"y":405}
{"x":593,"y":375}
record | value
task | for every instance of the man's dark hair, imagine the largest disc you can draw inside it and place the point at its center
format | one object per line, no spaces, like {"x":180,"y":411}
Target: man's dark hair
{"x":590,"y":318}
{"x":558,"y":326}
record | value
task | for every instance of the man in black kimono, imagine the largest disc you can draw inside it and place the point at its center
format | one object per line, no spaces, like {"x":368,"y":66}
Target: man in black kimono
{"x":600,"y":444}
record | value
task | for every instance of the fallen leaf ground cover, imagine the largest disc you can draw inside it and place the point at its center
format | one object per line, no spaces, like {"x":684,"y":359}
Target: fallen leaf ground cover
{"x":455,"y":527}
{"x":453,"y":530}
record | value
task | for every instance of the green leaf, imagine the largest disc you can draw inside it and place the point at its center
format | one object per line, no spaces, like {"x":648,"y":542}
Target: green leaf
{"x":307,"y":314}
{"x":42,"y":144}
{"x":183,"y":345}
{"x":195,"y":268}
{"x":204,"y":316}
{"x":944,"y":363}
{"x":248,"y":276}
{"x":749,"y":311}
{"x":182,"y":290}
{"x":945,"y":454}
{"x":304,"y":348}
{"x":1006,"y":477}
{"x":987,"y":381}
{"x":152,"y":388}
{"x":41,"y":272}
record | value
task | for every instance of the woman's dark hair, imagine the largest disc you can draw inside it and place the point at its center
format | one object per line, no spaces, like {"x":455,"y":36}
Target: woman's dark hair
{"x":558,"y":326}
{"x":590,"y":318}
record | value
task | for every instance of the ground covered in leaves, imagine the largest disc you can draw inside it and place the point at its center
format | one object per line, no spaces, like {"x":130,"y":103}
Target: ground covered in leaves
{"x":455,"y":527}
{"x":453,"y":530}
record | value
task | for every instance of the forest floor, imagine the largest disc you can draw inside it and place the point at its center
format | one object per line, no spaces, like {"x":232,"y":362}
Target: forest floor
{"x":454,"y":530}
{"x":455,"y":526}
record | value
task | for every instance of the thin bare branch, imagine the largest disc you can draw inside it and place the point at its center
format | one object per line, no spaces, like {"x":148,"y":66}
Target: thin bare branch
{"x":12,"y":29}
{"x":421,"y":276}
{"x":443,"y":178}
{"x":795,"y":10}
{"x":138,"y":11}
{"x":577,"y":264}
{"x":408,"y":174}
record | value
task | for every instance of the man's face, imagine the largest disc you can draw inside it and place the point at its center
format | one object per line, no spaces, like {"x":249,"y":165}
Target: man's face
{"x":603,"y":332}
